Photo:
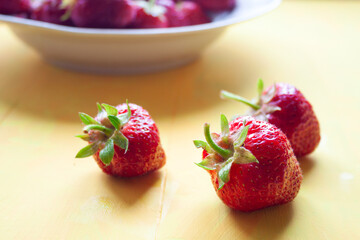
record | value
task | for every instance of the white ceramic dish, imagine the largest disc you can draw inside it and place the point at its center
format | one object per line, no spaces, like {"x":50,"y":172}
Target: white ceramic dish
{"x":128,"y":51}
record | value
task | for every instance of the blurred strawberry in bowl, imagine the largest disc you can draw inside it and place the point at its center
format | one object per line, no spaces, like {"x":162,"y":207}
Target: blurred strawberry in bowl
{"x":187,"y":14}
{"x":151,"y":14}
{"x":14,"y":6}
{"x":216,"y":5}
{"x":167,"y":13}
{"x":52,"y":11}
{"x":104,"y":13}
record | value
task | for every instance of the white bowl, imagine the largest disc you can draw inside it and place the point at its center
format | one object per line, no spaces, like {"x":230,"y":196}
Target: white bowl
{"x":128,"y":51}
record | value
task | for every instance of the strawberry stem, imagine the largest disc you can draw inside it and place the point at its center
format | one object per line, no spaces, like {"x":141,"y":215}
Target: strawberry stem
{"x":100,"y":109}
{"x":229,"y":95}
{"x":101,"y":128}
{"x":225,"y":153}
{"x":260,"y":86}
{"x":151,"y":3}
{"x":224,"y":128}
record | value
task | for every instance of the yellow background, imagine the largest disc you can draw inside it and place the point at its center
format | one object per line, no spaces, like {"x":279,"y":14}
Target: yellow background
{"x":47,"y":194}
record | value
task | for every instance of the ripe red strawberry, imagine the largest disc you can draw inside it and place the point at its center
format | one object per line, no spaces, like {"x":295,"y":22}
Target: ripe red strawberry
{"x":216,"y":5}
{"x":52,"y":11}
{"x":103,"y":14}
{"x":21,"y":15}
{"x":124,"y":140}
{"x":286,"y":107}
{"x":186,"y":14}
{"x":168,"y":4}
{"x":150,"y":15}
{"x":14,"y":6}
{"x":251,"y":164}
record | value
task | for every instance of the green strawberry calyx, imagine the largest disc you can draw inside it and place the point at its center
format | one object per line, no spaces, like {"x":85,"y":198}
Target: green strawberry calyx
{"x":260,"y":107}
{"x":68,"y":6}
{"x":104,"y":133}
{"x":226,"y":150}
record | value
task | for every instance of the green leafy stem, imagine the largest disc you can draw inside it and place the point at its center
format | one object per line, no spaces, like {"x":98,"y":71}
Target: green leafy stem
{"x":236,"y":153}
{"x":114,"y":136}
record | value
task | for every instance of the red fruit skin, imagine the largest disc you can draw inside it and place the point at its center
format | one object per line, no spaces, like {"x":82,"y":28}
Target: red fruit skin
{"x":171,"y":12}
{"x":14,"y":6}
{"x":146,"y":20}
{"x":103,"y":14}
{"x":187,"y":14}
{"x":145,"y":153}
{"x":24,"y":15}
{"x":216,"y":5}
{"x":50,"y":11}
{"x":296,"y":118}
{"x":276,"y":179}
{"x":168,"y":4}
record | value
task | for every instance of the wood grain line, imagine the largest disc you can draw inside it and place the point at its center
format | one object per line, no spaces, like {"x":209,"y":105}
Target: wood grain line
{"x":162,"y":197}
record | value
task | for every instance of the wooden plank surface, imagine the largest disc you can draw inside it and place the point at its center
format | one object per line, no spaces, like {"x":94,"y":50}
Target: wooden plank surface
{"x":47,"y":194}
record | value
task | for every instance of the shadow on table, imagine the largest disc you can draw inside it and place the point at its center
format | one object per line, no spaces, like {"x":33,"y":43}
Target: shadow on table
{"x":130,"y":190}
{"x":307,"y":164}
{"x":49,"y":92}
{"x":268,"y":223}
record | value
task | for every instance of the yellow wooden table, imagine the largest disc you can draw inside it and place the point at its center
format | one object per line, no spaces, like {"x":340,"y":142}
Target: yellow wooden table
{"x":48,"y":194}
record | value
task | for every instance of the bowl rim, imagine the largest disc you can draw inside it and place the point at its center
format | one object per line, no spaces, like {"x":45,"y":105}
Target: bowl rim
{"x":265,"y":8}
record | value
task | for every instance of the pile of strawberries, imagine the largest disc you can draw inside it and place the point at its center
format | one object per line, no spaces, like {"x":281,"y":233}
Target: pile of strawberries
{"x":117,"y":13}
{"x":252,"y":162}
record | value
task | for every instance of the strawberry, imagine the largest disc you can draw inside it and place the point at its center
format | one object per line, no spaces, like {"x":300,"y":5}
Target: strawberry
{"x":186,"y":14}
{"x":103,"y":14}
{"x":52,"y":11}
{"x":150,"y":14}
{"x":124,"y":140}
{"x":251,"y":164}
{"x":286,"y":107}
{"x":24,"y":15}
{"x":168,"y":4}
{"x":216,"y":5}
{"x":14,"y":6}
